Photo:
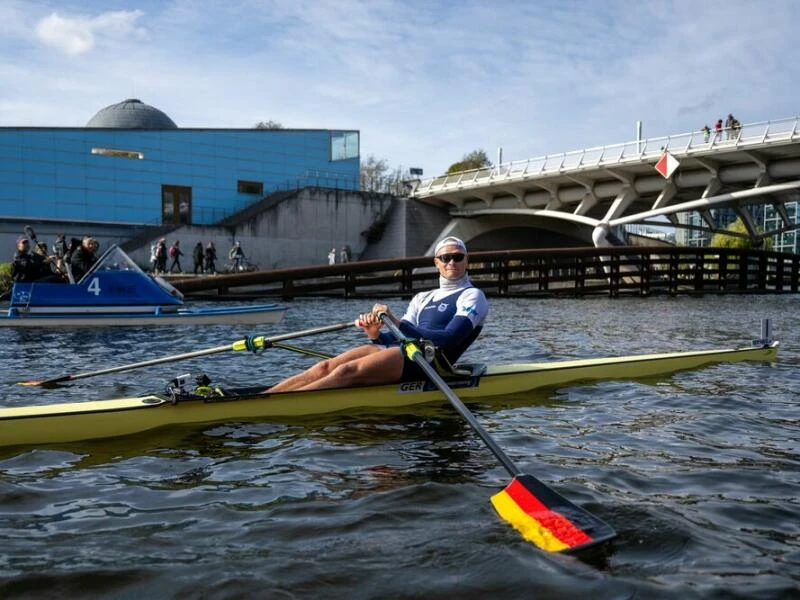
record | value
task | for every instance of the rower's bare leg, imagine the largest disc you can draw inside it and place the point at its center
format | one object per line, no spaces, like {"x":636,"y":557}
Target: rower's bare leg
{"x":323,"y":368}
{"x":384,"y":366}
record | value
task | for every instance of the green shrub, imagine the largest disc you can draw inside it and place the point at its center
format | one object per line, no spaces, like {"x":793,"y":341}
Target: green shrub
{"x":5,"y":278}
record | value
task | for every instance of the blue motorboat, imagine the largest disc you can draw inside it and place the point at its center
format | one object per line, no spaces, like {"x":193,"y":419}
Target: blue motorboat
{"x":115,"y":291}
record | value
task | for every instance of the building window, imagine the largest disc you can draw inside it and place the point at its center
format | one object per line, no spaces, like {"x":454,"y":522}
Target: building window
{"x":344,"y":145}
{"x":118,"y":153}
{"x":176,"y":205}
{"x":251,"y":187}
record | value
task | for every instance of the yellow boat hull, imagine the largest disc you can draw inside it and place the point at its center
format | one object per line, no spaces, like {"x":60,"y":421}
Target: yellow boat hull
{"x":78,"y":421}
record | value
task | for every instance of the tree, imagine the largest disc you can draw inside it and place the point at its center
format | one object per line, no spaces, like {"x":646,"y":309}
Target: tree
{"x":377,"y":177}
{"x":476,"y":159}
{"x":268,"y":125}
{"x":373,"y":172}
{"x":5,"y":278}
{"x":723,"y":239}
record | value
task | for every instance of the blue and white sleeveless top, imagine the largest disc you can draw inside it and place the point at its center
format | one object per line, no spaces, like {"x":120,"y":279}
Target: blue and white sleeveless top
{"x":451,"y":319}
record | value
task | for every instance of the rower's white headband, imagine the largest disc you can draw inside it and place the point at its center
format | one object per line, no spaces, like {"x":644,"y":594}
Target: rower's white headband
{"x":450,"y":241}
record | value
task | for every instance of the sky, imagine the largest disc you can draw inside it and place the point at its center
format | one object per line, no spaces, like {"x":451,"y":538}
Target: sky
{"x":425,"y":82}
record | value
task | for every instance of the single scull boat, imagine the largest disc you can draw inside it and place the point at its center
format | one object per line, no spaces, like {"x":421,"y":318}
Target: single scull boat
{"x":77,"y":421}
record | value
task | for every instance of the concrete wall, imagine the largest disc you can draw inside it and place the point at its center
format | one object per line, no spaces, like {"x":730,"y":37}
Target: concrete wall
{"x":298,"y":231}
{"x":411,"y":228}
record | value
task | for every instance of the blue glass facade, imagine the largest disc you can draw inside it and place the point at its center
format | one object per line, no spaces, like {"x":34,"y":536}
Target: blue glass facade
{"x":131,"y":176}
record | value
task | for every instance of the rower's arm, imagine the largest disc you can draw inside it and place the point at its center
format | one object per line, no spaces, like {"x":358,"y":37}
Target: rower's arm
{"x":456,"y":331}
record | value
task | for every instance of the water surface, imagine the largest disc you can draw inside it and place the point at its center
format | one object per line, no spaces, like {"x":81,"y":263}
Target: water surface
{"x":698,"y":471}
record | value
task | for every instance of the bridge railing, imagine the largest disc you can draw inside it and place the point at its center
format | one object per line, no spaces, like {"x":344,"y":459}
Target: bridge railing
{"x":683,"y":144}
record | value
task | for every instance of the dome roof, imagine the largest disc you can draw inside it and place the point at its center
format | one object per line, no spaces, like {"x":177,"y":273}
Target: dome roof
{"x":131,"y":114}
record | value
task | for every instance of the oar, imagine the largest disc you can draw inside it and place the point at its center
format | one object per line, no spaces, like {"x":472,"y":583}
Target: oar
{"x":254,"y":343}
{"x":542,"y":515}
{"x":306,"y":351}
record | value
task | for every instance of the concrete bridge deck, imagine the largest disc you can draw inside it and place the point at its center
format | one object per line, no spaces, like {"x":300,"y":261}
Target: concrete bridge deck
{"x":598,"y":189}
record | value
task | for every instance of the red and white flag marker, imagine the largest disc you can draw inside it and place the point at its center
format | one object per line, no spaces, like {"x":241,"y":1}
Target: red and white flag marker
{"x":666,"y":165}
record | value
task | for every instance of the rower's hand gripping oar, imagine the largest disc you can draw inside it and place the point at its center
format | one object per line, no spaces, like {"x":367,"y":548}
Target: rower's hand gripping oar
{"x":251,"y":343}
{"x":542,"y":515}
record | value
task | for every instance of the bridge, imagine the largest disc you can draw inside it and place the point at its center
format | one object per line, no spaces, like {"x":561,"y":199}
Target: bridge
{"x":590,"y":194}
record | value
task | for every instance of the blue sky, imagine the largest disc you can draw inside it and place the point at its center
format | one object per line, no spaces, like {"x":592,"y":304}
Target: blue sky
{"x":425,"y":82}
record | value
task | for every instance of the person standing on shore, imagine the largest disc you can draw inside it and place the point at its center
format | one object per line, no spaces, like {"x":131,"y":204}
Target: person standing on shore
{"x":197,"y":257}
{"x":211,"y":258}
{"x":175,"y":254}
{"x":237,"y":256}
{"x":161,"y":256}
{"x":154,"y":258}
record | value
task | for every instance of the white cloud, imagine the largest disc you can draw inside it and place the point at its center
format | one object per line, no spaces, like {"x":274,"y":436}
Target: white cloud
{"x":425,"y":82}
{"x":78,"y":35}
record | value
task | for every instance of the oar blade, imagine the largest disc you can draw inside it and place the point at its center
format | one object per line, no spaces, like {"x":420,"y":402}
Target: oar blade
{"x":547,"y":519}
{"x":47,"y":382}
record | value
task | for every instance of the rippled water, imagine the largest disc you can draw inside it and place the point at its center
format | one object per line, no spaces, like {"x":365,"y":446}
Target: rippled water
{"x":698,"y":471}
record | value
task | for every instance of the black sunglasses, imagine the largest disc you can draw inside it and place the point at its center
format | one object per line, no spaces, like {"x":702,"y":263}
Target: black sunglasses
{"x":446,"y":258}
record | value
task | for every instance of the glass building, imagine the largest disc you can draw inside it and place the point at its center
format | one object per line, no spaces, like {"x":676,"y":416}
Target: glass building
{"x":132,"y":165}
{"x":722,"y":217}
{"x":788,"y":240}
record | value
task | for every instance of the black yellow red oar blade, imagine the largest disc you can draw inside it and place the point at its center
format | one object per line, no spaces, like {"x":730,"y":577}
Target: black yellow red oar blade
{"x":47,"y":382}
{"x":545,"y":518}
{"x":542,"y":515}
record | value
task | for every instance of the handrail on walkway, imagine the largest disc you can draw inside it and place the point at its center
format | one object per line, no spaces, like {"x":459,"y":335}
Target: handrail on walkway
{"x":684,"y":144}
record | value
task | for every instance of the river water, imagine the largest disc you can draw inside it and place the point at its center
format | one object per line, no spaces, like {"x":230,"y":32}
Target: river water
{"x":699,"y":472}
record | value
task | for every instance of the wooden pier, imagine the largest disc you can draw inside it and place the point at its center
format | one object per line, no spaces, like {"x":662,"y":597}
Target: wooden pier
{"x":610,"y":272}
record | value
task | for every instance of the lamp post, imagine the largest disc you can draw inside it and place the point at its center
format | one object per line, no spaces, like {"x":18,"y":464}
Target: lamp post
{"x":638,"y":136}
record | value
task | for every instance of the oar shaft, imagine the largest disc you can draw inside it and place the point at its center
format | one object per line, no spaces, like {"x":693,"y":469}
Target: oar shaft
{"x":258,"y":342}
{"x":264,"y":342}
{"x":542,"y":515}
{"x":306,"y":351}
{"x":154,"y":361}
{"x":417,"y":356}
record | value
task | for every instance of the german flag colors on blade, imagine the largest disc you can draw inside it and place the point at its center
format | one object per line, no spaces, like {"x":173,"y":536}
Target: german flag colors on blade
{"x":542,"y":515}
{"x":547,"y":519}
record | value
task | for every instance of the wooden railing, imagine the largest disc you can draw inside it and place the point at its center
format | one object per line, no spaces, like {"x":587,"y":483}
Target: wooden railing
{"x":618,"y":271}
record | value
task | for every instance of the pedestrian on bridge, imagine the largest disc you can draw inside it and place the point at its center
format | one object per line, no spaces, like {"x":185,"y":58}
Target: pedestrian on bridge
{"x":718,"y":130}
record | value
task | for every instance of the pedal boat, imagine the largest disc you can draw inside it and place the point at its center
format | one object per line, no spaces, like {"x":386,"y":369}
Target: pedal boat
{"x":116,"y":292}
